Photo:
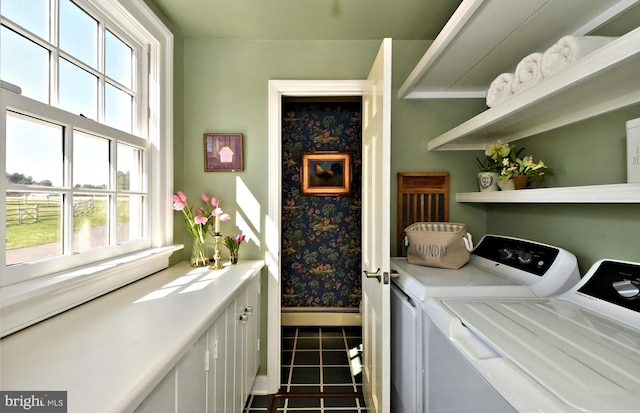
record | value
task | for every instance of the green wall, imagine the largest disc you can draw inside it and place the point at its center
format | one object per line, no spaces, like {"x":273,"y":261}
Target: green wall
{"x":413,"y":124}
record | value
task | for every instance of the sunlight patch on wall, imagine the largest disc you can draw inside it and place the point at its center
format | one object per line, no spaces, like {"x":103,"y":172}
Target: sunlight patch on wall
{"x":246,"y":229}
{"x":248,"y":204}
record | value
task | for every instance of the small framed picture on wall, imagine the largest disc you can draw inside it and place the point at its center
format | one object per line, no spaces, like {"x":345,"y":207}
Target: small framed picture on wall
{"x":326,"y":173}
{"x":223,"y":152}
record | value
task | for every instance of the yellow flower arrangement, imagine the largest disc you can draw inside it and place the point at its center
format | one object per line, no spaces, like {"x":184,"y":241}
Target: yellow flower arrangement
{"x":506,"y":159}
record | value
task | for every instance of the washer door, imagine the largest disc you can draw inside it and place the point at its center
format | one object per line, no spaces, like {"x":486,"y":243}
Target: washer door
{"x":406,"y":371}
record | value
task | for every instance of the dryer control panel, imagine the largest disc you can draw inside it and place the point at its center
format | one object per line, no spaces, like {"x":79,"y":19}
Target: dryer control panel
{"x":524,"y":255}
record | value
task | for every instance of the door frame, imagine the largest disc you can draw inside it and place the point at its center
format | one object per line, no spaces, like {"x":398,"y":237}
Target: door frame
{"x":273,"y":230}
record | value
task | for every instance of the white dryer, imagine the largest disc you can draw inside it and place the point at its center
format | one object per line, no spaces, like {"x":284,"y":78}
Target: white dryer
{"x":499,"y":267}
{"x":577,"y":352}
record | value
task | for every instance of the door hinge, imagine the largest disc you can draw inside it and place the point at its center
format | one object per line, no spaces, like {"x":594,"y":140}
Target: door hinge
{"x":206,"y":360}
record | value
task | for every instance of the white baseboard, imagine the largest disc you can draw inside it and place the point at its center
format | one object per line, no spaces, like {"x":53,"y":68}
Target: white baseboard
{"x":320,"y":318}
{"x":260,"y":386}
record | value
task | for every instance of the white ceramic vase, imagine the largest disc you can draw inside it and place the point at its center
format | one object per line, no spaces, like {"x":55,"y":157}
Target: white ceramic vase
{"x":488,"y":181}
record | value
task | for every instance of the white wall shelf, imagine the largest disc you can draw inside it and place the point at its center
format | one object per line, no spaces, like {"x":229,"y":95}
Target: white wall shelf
{"x":601,"y":82}
{"x":484,"y":38}
{"x":592,"y":194}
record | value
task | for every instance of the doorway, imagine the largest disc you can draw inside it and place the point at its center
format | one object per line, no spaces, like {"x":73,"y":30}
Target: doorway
{"x":321,"y":231}
{"x":277,"y":90}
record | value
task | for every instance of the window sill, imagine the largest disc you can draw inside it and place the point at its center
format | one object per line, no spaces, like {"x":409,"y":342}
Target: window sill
{"x":29,"y":302}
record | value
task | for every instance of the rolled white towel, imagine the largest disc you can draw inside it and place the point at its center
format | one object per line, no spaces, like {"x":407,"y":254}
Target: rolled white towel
{"x":569,"y":49}
{"x":500,"y":89}
{"x":528,"y":72}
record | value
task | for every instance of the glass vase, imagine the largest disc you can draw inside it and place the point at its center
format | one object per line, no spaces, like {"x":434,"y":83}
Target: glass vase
{"x":199,"y":256}
{"x":233,"y":257}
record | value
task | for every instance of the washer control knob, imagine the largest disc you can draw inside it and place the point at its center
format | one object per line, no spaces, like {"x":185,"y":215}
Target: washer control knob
{"x":506,"y":253}
{"x":525,"y":257}
{"x":626,"y":288}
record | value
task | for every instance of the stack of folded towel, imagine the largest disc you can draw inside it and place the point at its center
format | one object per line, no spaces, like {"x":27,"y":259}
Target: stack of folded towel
{"x":538,"y":66}
{"x":528,"y":72}
{"x":500,"y":89}
{"x":568,"y":50}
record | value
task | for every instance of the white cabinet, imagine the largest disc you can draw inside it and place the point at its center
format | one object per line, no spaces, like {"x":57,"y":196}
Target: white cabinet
{"x":163,"y":397}
{"x":150,"y":345}
{"x":601,"y":82}
{"x":216,"y":374}
{"x":233,"y":348}
{"x":233,"y":345}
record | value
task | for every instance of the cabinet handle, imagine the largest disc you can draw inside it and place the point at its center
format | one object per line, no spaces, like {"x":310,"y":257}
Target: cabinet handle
{"x":244,"y":318}
{"x":248,"y":310}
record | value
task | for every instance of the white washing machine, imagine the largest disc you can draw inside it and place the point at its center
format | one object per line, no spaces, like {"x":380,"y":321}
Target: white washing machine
{"x":499,"y":267}
{"x":577,"y":352}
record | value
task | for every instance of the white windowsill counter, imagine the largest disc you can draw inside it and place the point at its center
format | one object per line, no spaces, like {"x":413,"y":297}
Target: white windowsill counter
{"x":109,"y":353}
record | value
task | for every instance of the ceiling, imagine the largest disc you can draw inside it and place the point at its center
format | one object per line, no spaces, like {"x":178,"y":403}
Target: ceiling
{"x":307,"y":19}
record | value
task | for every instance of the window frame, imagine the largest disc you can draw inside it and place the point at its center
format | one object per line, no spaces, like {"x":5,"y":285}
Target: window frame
{"x":34,"y":291}
{"x":71,"y":123}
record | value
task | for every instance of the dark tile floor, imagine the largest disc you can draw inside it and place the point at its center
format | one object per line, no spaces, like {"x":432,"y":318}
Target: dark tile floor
{"x":317,"y":360}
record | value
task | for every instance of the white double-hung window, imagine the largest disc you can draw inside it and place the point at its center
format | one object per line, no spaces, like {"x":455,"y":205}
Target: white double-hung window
{"x":85,"y":109}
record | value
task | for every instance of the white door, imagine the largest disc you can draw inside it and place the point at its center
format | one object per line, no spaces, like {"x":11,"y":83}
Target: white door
{"x":376,"y":176}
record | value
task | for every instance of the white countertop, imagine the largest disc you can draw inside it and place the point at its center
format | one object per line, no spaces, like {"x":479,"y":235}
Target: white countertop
{"x":109,"y":353}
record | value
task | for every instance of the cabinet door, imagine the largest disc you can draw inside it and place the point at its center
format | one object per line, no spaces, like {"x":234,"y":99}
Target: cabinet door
{"x":230,"y":359}
{"x":241,"y":352}
{"x":184,"y":389}
{"x":191,"y":379}
{"x":251,"y":328}
{"x":217,"y":380}
{"x":163,"y":398}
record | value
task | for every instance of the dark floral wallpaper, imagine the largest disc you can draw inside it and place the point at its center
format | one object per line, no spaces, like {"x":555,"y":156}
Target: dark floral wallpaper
{"x":320,"y":234}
